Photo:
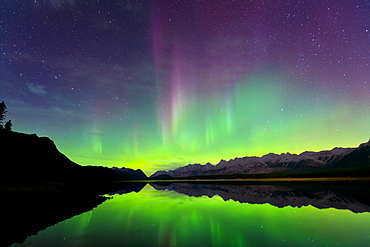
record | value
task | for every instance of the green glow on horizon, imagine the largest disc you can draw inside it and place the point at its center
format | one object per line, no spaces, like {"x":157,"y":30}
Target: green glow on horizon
{"x":253,"y":118}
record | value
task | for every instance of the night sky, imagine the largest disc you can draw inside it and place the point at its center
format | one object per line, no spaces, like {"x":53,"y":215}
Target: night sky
{"x":161,"y":84}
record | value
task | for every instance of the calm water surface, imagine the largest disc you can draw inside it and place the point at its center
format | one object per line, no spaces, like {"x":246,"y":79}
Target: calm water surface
{"x":164,"y":217}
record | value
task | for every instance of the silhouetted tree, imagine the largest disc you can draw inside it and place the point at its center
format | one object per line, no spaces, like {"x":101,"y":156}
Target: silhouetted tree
{"x":8,"y":126}
{"x":2,"y":114}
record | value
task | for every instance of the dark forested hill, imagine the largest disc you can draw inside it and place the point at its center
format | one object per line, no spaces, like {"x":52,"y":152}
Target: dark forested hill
{"x":29,"y":157}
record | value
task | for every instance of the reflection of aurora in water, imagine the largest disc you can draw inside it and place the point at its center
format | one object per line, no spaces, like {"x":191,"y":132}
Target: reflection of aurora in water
{"x":167,"y":218}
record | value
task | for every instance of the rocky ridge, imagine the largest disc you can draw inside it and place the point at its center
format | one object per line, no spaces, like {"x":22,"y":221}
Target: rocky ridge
{"x":268,"y":163}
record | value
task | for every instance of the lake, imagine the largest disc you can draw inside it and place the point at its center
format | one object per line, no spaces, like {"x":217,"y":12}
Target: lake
{"x":219,"y":214}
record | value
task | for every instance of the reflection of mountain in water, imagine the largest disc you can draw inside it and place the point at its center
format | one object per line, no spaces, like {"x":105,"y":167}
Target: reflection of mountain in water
{"x":127,"y":187}
{"x":354,"y":198}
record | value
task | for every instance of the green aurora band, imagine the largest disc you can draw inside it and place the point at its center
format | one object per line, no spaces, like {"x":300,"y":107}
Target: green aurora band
{"x":255,"y":118}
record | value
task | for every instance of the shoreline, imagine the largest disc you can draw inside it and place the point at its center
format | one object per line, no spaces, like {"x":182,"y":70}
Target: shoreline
{"x":321,"y":179}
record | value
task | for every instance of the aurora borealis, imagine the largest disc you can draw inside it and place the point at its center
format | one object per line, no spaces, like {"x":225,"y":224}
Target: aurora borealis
{"x":159,"y":84}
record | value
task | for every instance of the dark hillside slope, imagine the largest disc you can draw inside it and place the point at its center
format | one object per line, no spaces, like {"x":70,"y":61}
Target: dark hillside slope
{"x":29,"y":157}
{"x":358,"y":158}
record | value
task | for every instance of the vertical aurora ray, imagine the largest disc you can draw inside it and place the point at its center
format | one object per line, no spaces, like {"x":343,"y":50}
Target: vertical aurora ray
{"x":233,"y":93}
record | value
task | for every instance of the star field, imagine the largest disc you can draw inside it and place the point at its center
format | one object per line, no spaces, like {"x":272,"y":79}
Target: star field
{"x":160,"y":84}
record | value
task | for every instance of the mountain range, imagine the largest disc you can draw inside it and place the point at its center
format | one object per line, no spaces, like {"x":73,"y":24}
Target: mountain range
{"x":29,"y":157}
{"x":337,"y":159}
